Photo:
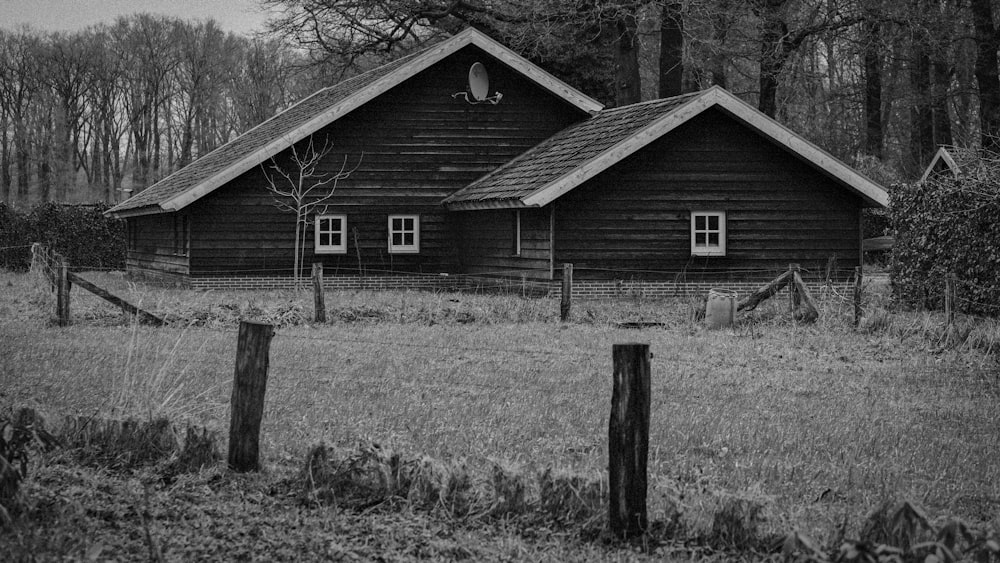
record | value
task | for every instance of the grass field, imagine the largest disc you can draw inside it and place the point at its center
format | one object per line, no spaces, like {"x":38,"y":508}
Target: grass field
{"x":819,"y":424}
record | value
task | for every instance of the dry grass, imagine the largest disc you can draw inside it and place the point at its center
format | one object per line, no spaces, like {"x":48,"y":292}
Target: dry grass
{"x":814,"y":424}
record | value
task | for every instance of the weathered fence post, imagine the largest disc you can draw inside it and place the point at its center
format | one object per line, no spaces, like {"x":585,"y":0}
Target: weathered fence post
{"x":249,"y":384}
{"x":36,"y":257}
{"x":857,"y":295}
{"x":793,"y":296}
{"x":319,"y":302}
{"x":63,"y":287}
{"x":628,"y":440}
{"x":567,"y":292}
{"x":950,"y":280}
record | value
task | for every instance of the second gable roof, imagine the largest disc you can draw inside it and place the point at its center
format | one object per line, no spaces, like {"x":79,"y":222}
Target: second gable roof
{"x":571,"y":157}
{"x":225,"y":163}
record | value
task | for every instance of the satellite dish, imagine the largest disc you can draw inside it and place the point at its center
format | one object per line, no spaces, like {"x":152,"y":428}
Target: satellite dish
{"x":479,"y":82}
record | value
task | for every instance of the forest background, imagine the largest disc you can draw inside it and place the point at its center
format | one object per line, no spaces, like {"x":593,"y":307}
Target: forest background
{"x":98,"y":114}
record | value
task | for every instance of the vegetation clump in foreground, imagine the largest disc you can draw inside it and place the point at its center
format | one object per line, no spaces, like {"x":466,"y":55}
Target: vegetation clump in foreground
{"x":150,"y":509}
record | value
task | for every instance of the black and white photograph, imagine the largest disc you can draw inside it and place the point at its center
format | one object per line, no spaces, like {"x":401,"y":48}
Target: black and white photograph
{"x":500,"y":280}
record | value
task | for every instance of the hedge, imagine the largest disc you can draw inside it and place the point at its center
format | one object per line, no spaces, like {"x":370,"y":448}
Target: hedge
{"x":948,"y":225}
{"x":81,"y":233}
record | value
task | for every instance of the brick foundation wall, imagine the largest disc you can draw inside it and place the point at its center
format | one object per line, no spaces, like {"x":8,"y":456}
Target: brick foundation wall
{"x":348,"y":283}
{"x":592,"y":289}
{"x":582,"y":289}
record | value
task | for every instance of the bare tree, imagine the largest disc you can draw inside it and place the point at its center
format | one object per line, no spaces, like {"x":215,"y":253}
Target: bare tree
{"x":300,"y":188}
{"x":987,"y":73}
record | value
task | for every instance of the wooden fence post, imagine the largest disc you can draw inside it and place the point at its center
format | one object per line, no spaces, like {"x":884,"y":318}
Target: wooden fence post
{"x":628,"y":440}
{"x":857,"y":295}
{"x":793,"y":296}
{"x":249,"y":384}
{"x":319,"y":302}
{"x":36,"y":257}
{"x":567,"y":292}
{"x":63,"y":287}
{"x":950,"y":280}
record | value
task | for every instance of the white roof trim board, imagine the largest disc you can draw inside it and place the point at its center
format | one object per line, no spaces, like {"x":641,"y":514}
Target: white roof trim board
{"x":420,"y":63}
{"x":942,"y":154}
{"x":714,"y":96}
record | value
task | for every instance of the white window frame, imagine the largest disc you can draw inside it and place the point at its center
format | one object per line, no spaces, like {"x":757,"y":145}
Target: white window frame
{"x":330,"y":248}
{"x":405,"y":248}
{"x":708,"y":250}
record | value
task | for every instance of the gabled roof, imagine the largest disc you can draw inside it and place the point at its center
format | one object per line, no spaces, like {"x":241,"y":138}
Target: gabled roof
{"x":225,"y":163}
{"x":941,"y":158}
{"x":956,"y":160}
{"x":571,"y":157}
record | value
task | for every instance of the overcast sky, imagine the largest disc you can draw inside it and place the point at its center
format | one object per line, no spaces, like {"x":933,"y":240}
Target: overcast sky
{"x":68,"y":15}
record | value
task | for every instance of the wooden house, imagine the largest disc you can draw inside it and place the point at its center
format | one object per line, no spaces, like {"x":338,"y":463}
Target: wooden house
{"x":452,"y":178}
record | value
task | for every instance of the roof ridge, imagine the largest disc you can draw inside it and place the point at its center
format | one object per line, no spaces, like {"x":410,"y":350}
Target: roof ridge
{"x":321,"y":108}
{"x":671,"y":99}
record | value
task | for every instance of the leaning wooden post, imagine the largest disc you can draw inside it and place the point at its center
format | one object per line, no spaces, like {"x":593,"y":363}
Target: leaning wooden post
{"x":567,"y":292}
{"x":857,"y":295}
{"x":628,"y":440}
{"x":36,"y":257}
{"x":949,"y":297}
{"x":319,"y":303}
{"x":791,"y":288}
{"x":63,"y":287}
{"x":249,"y":384}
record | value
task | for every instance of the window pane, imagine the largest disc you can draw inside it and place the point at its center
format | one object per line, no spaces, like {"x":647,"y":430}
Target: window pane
{"x":713,"y":222}
{"x":324,"y":239}
{"x":699,"y":239}
{"x":408,"y":224}
{"x":408,"y":239}
{"x":713,"y":239}
{"x":397,"y":223}
{"x":336,"y":239}
{"x":699,"y":222}
{"x":335,"y":225}
{"x":397,"y":239}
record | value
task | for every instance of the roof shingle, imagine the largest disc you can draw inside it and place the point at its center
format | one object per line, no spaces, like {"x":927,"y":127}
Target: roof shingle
{"x":256,"y":139}
{"x":566,"y":151}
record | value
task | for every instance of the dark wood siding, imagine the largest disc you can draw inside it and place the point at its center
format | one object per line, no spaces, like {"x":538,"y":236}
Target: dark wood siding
{"x":487,"y":243}
{"x":633,"y":220}
{"x":411,"y":147}
{"x":156,"y":244}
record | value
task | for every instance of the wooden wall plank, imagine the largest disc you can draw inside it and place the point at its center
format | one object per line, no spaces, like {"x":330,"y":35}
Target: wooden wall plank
{"x":413,"y":146}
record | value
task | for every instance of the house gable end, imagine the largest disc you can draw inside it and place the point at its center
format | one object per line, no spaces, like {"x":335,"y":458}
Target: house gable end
{"x":716,"y":97}
{"x":407,"y":149}
{"x":280,"y":132}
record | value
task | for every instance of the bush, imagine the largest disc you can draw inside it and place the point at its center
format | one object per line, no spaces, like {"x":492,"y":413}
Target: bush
{"x":81,"y":233}
{"x":948,"y":225}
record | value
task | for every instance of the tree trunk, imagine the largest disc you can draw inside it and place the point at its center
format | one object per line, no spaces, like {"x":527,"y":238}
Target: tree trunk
{"x":987,"y":73}
{"x":671,"y":50}
{"x":5,"y":179}
{"x":44,"y":157}
{"x":940,"y":116}
{"x":873,"y":88}
{"x":22,"y":144}
{"x":921,"y":146}
{"x":627,"y":82}
{"x":774,"y":51}
{"x":722,"y":21}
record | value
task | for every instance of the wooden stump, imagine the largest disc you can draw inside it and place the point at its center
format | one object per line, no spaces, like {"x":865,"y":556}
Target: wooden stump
{"x":319,"y":301}
{"x":249,"y":385}
{"x":567,"y":292}
{"x":63,"y":288}
{"x":857,"y":295}
{"x":628,"y":440}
